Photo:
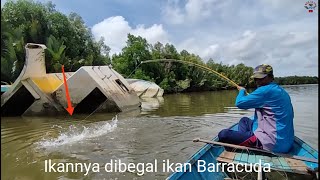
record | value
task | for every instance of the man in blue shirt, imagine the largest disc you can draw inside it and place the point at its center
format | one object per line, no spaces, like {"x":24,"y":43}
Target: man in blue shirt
{"x":272,"y":126}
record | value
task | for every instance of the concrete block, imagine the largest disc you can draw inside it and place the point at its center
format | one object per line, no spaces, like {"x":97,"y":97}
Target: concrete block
{"x":24,"y":96}
{"x":145,"y":89}
{"x":25,"y":99}
{"x":97,"y":89}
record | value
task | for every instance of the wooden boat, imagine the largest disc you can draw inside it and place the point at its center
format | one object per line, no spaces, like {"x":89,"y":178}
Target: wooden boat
{"x":300,"y":163}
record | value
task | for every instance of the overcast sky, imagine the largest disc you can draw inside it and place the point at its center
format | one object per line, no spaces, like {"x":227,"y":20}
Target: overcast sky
{"x":281,"y":33}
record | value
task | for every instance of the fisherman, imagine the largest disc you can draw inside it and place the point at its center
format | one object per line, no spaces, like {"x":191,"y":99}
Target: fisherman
{"x":272,"y":125}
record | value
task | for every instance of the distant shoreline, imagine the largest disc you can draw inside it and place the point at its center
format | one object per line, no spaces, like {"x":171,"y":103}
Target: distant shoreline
{"x":298,"y":84}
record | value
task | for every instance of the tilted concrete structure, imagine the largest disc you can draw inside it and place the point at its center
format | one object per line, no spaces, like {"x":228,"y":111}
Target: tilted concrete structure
{"x":145,"y":89}
{"x":91,"y":88}
{"x":25,"y":97}
{"x":98,"y":88}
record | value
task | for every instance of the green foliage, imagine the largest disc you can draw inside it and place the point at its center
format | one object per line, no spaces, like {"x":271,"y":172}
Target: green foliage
{"x":136,"y":51}
{"x":179,"y":77}
{"x":56,"y":52}
{"x":293,"y":80}
{"x":69,"y":42}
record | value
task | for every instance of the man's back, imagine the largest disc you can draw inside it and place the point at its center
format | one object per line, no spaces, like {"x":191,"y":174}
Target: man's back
{"x":274,"y":115}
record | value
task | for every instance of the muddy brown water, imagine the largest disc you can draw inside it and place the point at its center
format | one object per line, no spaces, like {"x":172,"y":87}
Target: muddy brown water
{"x":162,"y":129}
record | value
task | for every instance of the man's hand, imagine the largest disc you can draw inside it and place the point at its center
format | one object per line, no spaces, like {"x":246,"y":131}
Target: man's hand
{"x":240,"y":87}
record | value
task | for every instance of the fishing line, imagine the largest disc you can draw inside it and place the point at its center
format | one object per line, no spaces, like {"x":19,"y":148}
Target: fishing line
{"x":134,"y":70}
{"x":190,"y":63}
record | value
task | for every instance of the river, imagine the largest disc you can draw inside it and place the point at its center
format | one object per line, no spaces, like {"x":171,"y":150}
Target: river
{"x":162,"y":129}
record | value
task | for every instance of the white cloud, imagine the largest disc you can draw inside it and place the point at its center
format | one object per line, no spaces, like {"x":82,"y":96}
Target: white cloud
{"x":115,"y":30}
{"x":153,"y":34}
{"x":196,"y":9}
{"x":193,"y":11}
{"x":282,"y":34}
{"x":289,"y":53}
{"x":211,"y":51}
{"x":173,"y":15}
{"x":246,"y":41}
{"x":298,"y":38}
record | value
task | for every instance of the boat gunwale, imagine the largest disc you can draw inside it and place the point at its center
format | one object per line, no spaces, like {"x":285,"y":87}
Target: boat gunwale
{"x":312,"y":151}
{"x":203,"y":150}
{"x":192,"y":159}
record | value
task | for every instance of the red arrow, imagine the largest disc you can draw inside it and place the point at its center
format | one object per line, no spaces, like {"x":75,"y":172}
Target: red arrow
{"x":69,"y":108}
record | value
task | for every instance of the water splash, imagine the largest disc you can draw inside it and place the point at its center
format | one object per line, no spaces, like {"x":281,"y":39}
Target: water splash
{"x":76,"y":134}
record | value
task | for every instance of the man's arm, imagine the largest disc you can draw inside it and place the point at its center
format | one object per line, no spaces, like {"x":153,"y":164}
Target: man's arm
{"x":253,"y":100}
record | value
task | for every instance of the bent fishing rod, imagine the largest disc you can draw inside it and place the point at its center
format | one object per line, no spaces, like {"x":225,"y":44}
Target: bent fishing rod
{"x":193,"y":64}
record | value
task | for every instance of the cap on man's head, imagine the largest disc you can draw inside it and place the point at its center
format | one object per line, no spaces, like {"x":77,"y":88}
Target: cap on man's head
{"x":262,"y":71}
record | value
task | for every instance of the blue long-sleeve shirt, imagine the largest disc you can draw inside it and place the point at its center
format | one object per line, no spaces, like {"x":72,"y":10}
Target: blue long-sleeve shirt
{"x":273,"y":117}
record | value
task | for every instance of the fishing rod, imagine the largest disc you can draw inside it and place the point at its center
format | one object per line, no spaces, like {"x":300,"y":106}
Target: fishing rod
{"x":193,"y":64}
